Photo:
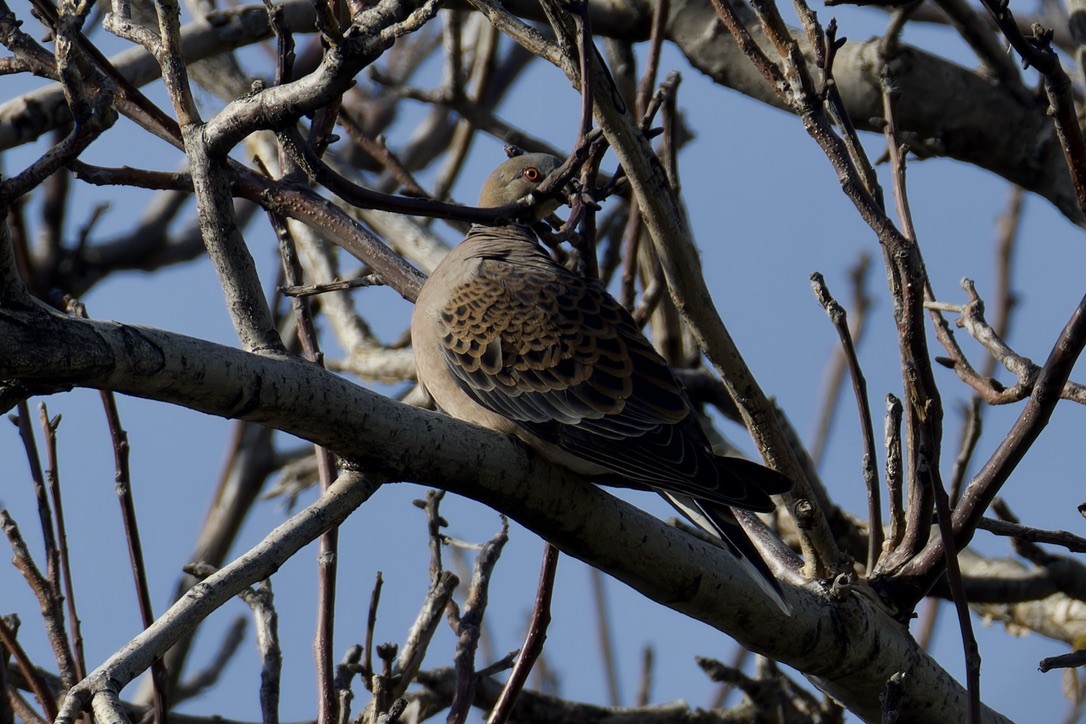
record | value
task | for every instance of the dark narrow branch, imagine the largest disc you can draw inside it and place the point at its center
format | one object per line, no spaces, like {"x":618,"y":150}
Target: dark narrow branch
{"x":123,"y":484}
{"x":861,"y":303}
{"x":961,"y":602}
{"x":26,"y":666}
{"x":971,"y":430}
{"x":37,"y":476}
{"x":1070,"y":541}
{"x":371,"y":625}
{"x":1063,"y":661}
{"x":12,"y":285}
{"x":923,"y":411}
{"x":1037,"y":51}
{"x":329,"y":542}
{"x":533,"y":641}
{"x":839,"y":317}
{"x":49,"y":602}
{"x":52,"y":478}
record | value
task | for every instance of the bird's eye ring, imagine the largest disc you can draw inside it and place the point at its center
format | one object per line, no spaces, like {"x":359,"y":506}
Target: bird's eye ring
{"x":533,"y":174}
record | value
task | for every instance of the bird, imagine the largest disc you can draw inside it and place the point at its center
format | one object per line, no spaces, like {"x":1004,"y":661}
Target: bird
{"x":507,"y":338}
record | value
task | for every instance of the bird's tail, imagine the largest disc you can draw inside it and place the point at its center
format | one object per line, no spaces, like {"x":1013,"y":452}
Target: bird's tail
{"x":746,"y":484}
{"x":719,"y":521}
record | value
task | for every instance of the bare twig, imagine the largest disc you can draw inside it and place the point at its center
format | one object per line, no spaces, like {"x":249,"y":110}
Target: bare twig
{"x":839,"y":317}
{"x":1070,"y":541}
{"x":266,"y":619}
{"x":123,"y":481}
{"x":309,"y":290}
{"x":644,"y":689}
{"x":26,"y":667}
{"x":533,"y":641}
{"x":961,"y":602}
{"x":52,"y":477}
{"x":894,"y":473}
{"x":371,"y":624}
{"x":326,"y":466}
{"x":860,"y":304}
{"x":469,"y":627}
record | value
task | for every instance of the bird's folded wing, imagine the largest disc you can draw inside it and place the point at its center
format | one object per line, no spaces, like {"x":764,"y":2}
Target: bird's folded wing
{"x":556,"y":354}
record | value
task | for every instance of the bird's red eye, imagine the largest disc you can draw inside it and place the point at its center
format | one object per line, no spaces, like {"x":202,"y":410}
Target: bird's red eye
{"x":533,"y":174}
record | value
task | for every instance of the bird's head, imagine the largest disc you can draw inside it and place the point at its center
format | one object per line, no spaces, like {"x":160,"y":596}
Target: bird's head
{"x":518,"y":177}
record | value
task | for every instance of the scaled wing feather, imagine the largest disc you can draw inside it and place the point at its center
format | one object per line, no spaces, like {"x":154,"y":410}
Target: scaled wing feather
{"x":556,"y":354}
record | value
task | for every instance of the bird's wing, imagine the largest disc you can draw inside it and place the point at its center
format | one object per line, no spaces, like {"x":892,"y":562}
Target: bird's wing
{"x":556,"y":354}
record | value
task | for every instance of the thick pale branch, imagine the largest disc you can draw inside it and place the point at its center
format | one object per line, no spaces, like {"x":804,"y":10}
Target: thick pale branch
{"x":852,"y":657}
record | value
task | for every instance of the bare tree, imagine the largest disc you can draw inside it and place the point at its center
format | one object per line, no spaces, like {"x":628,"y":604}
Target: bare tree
{"x":317,"y":150}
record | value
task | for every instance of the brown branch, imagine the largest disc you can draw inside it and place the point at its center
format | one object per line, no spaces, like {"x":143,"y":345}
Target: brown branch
{"x":533,"y":640}
{"x":923,"y":410}
{"x":1063,"y":661}
{"x":894,"y":476}
{"x":326,"y":466}
{"x":123,"y":488}
{"x":1037,"y":51}
{"x":52,"y":478}
{"x":861,"y":304}
{"x":961,"y":601}
{"x":8,"y":641}
{"x":839,"y":317}
{"x":371,"y":624}
{"x":1070,"y":541}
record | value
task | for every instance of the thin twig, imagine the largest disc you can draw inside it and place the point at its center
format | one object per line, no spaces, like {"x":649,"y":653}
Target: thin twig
{"x":961,"y":602}
{"x":26,"y":666}
{"x":860,"y":305}
{"x":46,"y":587}
{"x":644,"y":689}
{"x":972,"y":427}
{"x":123,"y":481}
{"x":326,"y":467}
{"x":533,"y":641}
{"x":371,"y":624}
{"x":894,"y":477}
{"x":470,"y":625}
{"x":309,"y":290}
{"x":262,"y":604}
{"x":52,"y":477}
{"x":839,"y":317}
{"x":1070,"y":541}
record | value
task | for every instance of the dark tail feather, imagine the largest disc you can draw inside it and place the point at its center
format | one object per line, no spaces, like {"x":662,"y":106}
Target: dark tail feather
{"x":719,"y":521}
{"x":754,"y":482}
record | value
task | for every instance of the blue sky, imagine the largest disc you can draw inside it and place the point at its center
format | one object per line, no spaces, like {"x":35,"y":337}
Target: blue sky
{"x":766,"y":211}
